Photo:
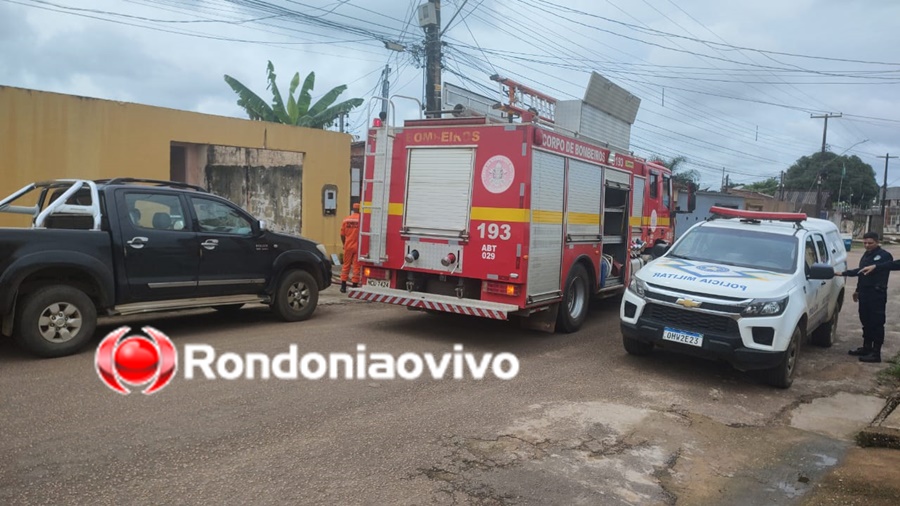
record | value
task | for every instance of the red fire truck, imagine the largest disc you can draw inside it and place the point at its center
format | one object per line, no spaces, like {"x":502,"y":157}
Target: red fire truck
{"x":498,"y":219}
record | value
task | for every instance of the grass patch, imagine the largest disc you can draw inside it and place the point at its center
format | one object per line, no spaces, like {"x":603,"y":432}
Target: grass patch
{"x":891,"y":374}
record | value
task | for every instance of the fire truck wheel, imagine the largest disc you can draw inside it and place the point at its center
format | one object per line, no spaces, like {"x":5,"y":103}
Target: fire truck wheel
{"x":573,"y":309}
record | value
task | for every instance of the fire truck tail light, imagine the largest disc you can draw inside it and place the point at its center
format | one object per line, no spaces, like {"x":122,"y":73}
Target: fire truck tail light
{"x":501,"y":288}
{"x":448,"y":260}
{"x":376,"y":123}
{"x":373,"y":273}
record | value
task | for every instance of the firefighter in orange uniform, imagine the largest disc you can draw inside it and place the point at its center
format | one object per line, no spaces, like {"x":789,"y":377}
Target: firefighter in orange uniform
{"x":350,"y":240}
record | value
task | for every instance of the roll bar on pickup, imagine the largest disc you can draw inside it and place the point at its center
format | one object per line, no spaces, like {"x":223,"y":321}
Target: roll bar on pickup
{"x":58,"y":206}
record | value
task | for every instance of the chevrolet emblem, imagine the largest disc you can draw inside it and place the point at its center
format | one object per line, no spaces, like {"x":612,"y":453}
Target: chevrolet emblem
{"x":688,"y":302}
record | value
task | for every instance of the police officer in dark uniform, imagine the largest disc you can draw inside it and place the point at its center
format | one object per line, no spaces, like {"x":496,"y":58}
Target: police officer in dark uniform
{"x":871,"y":293}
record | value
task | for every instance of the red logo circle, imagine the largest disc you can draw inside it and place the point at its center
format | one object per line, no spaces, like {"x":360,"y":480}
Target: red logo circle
{"x":136,"y":360}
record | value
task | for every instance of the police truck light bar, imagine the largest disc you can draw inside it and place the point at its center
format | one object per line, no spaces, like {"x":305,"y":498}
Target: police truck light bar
{"x":757,"y":215}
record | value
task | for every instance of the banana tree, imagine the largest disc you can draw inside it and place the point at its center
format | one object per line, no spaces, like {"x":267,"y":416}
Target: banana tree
{"x":297,"y":111}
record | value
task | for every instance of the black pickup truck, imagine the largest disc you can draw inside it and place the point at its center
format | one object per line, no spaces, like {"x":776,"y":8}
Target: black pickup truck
{"x":125,"y":246}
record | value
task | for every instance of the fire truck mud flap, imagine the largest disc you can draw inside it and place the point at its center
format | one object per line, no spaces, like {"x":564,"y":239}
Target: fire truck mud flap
{"x":433,"y":302}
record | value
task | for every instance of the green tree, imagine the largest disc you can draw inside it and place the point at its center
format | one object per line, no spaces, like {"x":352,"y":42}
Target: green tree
{"x":840,"y":174}
{"x":675,"y":164}
{"x":768,"y":187}
{"x":297,"y":111}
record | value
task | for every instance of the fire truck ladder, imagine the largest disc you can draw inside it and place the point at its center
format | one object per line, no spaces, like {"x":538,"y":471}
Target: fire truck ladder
{"x":379,"y":184}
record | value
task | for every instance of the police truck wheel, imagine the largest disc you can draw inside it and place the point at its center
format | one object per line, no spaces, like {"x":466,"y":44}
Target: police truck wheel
{"x":296,"y":296}
{"x":55,"y":321}
{"x":782,"y":375}
{"x":573,"y":309}
{"x":825,"y":335}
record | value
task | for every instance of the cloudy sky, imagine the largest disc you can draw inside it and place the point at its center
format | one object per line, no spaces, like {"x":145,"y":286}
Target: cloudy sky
{"x":726,"y":84}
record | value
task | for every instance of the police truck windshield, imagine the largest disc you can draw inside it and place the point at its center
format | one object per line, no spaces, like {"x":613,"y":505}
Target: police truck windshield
{"x":741,"y":248}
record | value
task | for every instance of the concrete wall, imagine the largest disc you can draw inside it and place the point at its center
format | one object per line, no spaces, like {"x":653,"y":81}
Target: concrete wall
{"x":49,"y":136}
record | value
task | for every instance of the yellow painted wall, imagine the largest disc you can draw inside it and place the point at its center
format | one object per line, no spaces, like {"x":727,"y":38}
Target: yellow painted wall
{"x":51,"y":136}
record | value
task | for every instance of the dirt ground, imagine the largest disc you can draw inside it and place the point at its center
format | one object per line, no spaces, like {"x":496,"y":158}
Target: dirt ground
{"x":867,"y":476}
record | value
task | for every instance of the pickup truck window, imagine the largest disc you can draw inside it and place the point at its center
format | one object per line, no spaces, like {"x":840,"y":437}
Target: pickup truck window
{"x":810,"y":253}
{"x":155,"y":211}
{"x":220,"y":218}
{"x":741,"y":248}
{"x":823,"y":249}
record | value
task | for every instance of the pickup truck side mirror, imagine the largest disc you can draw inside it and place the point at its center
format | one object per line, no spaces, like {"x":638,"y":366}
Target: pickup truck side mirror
{"x":820,"y":271}
{"x":659,"y":250}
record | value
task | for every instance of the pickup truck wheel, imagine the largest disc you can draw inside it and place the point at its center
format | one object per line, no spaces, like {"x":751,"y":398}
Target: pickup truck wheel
{"x":296,"y":296}
{"x":573,"y":309}
{"x":55,"y":321}
{"x":782,"y":375}
{"x":825,"y":335}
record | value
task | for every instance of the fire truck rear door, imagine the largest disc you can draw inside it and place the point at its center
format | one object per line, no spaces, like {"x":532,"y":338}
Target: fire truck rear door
{"x":439,"y":191}
{"x":545,"y":248}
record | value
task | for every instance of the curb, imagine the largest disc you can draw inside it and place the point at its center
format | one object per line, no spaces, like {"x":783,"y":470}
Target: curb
{"x":878,"y":434}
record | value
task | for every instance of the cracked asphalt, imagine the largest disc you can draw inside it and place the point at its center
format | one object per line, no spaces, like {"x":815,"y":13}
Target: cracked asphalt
{"x":582,"y":423}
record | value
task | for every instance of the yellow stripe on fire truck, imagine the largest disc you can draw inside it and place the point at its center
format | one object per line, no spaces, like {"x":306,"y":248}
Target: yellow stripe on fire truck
{"x":394,"y":208}
{"x":516,"y":215}
{"x":637,"y":221}
{"x":583,"y":218}
{"x":549,"y":217}
{"x":508,"y":214}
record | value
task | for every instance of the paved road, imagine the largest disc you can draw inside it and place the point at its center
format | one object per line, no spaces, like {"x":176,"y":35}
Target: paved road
{"x":582,"y":423}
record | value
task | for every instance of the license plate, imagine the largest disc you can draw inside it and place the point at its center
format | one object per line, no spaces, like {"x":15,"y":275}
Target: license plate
{"x":380,"y":283}
{"x":680,"y":336}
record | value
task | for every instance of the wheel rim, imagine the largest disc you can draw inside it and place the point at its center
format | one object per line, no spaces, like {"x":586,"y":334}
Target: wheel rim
{"x":792,"y":356}
{"x":575,"y":302}
{"x":60,"y":322}
{"x":834,"y":323}
{"x":298,"y":296}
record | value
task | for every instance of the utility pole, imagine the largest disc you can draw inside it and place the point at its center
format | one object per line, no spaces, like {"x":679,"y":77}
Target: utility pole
{"x":887,"y":156}
{"x":822,"y":170}
{"x":430,"y":21}
{"x":385,"y":89}
{"x":781,"y":187}
{"x":722,"y":189}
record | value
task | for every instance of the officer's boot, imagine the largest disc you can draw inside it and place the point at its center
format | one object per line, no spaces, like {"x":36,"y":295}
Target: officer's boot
{"x":874,"y":357}
{"x":865,"y":349}
{"x":861,"y":351}
{"x":343,"y":287}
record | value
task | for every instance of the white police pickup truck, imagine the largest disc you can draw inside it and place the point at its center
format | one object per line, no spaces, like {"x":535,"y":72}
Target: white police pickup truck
{"x":745,"y":286}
